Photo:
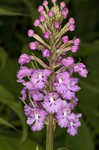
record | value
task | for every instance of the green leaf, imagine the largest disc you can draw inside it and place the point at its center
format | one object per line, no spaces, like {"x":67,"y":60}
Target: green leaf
{"x":7,"y":12}
{"x":89,"y":94}
{"x":62,"y":148}
{"x":6,"y":123}
{"x":82,"y":141}
{"x":3,"y":58}
{"x":8,"y":99}
{"x":8,"y":77}
{"x":9,"y":143}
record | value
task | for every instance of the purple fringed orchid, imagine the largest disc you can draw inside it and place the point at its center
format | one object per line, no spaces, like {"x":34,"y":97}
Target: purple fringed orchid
{"x":49,"y":94}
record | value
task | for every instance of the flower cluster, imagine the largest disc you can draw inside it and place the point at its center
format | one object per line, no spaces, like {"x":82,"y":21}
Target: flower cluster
{"x":51,"y":90}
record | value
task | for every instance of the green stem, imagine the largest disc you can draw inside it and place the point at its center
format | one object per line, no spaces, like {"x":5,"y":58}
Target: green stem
{"x":49,"y":133}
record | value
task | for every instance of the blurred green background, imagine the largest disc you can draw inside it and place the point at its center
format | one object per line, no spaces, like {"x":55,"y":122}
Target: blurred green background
{"x":16,"y":17}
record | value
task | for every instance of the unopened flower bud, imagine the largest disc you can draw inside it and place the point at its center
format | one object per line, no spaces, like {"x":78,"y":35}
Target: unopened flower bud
{"x":62,"y":4}
{"x":56,"y":24}
{"x":72,"y":27}
{"x":77,"y":41}
{"x":45,"y":3}
{"x":75,"y":48}
{"x":30,"y":33}
{"x":36,"y":22}
{"x":42,"y":18}
{"x":46,"y":35}
{"x":72,"y":20}
{"x":24,"y":58}
{"x":33,"y":45}
{"x":50,"y":14}
{"x":65,"y":39}
{"x":40,"y":9}
{"x":67,"y":61}
{"x":45,"y":53}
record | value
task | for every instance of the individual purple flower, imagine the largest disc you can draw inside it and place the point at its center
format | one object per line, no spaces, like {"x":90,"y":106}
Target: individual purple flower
{"x":62,"y":4}
{"x":39,"y":78}
{"x":36,"y":22}
{"x":45,"y":53}
{"x":24,"y":72}
{"x":36,"y":118}
{"x":24,"y":58}
{"x":52,"y":103}
{"x":67,"y":61}
{"x":81,"y":69}
{"x":74,"y":48}
{"x":46,"y":35}
{"x":28,"y":85}
{"x":30,"y":33}
{"x":66,"y":86}
{"x":56,"y":25}
{"x":42,"y":18}
{"x":65,"y":39}
{"x":45,"y":3}
{"x":73,"y":123}
{"x":33,"y":45}
{"x":62,"y":115}
{"x":36,"y":95}
{"x":50,"y":13}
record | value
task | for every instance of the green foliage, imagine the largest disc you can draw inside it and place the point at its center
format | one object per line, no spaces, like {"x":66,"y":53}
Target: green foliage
{"x":16,"y":16}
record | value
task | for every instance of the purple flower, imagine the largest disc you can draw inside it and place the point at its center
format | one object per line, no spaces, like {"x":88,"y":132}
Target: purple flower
{"x":67,"y":61}
{"x":24,"y":72}
{"x":39,"y":78}
{"x":65,"y":39}
{"x":52,"y":103}
{"x":81,"y":69}
{"x":30,"y":33}
{"x":45,"y":53}
{"x":24,"y":58}
{"x":66,"y":86}
{"x":62,"y":115}
{"x":46,"y":35}
{"x":33,"y":45}
{"x":73,"y":123}
{"x":36,"y":95}
{"x":35,"y":118}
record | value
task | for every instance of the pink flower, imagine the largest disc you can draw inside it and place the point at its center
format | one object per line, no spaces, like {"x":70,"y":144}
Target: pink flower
{"x":56,"y":24}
